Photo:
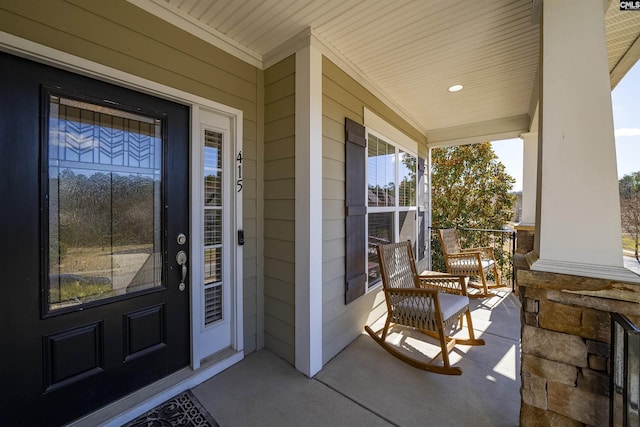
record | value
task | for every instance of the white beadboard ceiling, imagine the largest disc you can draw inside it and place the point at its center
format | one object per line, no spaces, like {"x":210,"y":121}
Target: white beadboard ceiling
{"x":410,"y":51}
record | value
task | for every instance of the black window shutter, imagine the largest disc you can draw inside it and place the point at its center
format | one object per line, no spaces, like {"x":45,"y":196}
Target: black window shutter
{"x":422,"y":249}
{"x":356,"y":211}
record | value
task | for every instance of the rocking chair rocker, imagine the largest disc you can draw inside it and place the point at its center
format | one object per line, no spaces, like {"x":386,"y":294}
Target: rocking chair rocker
{"x":430,"y":304}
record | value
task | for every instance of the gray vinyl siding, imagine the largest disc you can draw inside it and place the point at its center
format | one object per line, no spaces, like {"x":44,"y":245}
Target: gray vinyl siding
{"x":279,"y":209}
{"x":126,"y":38}
{"x":344,"y":97}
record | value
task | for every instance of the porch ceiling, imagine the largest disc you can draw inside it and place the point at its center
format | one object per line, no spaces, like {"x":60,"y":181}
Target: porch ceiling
{"x":411,"y":51}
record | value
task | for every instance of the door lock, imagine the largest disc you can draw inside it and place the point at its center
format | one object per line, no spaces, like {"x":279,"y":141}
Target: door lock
{"x":181,"y":239}
{"x":181,"y":259}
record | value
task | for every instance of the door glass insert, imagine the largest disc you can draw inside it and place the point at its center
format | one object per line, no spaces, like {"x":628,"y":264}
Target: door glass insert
{"x":104,"y":171}
{"x":213,"y":297}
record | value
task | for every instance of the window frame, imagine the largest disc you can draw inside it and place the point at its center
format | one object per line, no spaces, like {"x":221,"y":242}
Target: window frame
{"x":396,"y":209}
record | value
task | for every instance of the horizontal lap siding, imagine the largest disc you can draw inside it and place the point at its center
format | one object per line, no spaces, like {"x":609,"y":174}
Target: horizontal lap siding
{"x":126,"y":38}
{"x":344,"y":97}
{"x":279,"y":209}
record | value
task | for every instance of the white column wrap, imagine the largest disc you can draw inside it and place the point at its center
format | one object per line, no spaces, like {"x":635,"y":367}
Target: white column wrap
{"x":578,"y":209}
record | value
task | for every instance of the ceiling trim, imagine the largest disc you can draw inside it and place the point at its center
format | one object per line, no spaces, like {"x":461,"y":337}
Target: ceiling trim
{"x":298,"y":42}
{"x":490,"y":130}
{"x":309,"y":36}
{"x":204,"y":32}
{"x":625,"y":63}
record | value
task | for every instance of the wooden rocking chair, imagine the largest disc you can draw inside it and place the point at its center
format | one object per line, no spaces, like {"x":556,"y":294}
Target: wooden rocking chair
{"x":476,"y":262}
{"x":431,"y":304}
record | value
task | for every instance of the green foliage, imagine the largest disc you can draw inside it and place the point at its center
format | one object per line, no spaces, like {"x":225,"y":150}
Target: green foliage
{"x":470,"y":189}
{"x":74,"y":288}
{"x":629,"y":187}
{"x":103,"y":209}
{"x":407,"y":186}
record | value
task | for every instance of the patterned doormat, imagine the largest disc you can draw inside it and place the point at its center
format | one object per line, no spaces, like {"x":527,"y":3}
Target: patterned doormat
{"x":181,"y":410}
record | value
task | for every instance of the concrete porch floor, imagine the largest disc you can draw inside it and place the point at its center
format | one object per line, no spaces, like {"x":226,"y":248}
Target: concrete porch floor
{"x":365,"y":386}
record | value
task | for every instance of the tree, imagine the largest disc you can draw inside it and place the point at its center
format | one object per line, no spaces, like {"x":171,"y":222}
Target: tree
{"x":629,"y":187}
{"x":470,"y":189}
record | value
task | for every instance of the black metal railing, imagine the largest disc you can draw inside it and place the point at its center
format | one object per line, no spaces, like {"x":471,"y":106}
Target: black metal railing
{"x":502,"y":241}
{"x":625,"y":372}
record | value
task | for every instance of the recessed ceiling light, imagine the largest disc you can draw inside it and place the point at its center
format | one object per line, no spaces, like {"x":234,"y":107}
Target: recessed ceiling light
{"x":455,"y":88}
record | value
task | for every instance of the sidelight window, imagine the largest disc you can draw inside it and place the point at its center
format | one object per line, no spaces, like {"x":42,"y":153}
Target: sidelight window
{"x":213,"y":297}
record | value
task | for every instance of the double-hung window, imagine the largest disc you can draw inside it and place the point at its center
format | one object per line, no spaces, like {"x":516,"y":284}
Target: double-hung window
{"x":391,"y":198}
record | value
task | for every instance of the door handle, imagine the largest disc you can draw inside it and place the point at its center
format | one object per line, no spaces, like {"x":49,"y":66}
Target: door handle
{"x":181,"y":259}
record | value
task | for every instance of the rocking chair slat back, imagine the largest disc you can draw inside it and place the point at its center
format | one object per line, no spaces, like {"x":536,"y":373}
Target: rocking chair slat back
{"x":396,"y":266}
{"x":450,"y":243}
{"x":473,"y":262}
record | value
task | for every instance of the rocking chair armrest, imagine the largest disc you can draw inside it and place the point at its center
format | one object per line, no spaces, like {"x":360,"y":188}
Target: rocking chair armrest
{"x":486,"y":251}
{"x":451,"y":284}
{"x":411,"y":292}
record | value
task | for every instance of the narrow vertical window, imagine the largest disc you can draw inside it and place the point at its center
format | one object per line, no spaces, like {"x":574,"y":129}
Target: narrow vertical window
{"x":212,"y":227}
{"x":407,"y":198}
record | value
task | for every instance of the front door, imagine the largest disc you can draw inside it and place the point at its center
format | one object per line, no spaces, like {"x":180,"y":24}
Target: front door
{"x":94,"y":212}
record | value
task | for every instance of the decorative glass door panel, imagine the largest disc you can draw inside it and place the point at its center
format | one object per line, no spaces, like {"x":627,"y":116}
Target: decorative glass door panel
{"x":104,"y":230}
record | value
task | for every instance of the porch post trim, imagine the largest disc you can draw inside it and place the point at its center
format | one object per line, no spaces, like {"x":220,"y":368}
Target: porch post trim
{"x":308,"y":211}
{"x":530,"y":177}
{"x":614,"y":273}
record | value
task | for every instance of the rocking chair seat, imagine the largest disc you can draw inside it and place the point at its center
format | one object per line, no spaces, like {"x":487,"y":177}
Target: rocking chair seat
{"x":451,"y":306}
{"x":462,"y":266}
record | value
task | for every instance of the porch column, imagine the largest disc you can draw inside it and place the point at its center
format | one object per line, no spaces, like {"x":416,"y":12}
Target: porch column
{"x":529,"y":178}
{"x":525,"y":229}
{"x":578,"y":210}
{"x":308,"y":211}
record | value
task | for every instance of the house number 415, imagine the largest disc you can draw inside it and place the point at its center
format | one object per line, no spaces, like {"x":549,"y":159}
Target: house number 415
{"x":239,"y":180}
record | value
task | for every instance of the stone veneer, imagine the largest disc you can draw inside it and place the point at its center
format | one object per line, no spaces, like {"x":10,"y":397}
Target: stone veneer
{"x":565,"y":345}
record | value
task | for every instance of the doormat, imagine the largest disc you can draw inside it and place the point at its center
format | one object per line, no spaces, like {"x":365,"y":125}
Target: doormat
{"x":182,"y":410}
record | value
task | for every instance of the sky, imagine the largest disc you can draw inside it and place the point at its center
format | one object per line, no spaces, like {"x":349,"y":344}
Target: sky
{"x":626,"y":121}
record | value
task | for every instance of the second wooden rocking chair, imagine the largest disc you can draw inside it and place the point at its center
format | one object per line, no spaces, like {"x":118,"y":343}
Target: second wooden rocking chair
{"x":474,"y":262}
{"x":431,"y":304}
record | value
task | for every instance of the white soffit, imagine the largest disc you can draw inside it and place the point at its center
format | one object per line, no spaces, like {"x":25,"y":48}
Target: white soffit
{"x":623,"y":43}
{"x":407,"y":52}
